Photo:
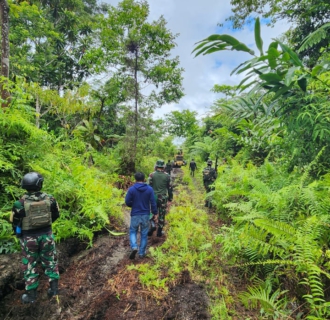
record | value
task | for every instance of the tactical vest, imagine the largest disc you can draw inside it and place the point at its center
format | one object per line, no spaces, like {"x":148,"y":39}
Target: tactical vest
{"x":37,"y":212}
{"x":208,"y":174}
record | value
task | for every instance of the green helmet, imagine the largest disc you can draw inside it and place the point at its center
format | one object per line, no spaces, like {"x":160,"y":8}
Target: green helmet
{"x":160,"y":164}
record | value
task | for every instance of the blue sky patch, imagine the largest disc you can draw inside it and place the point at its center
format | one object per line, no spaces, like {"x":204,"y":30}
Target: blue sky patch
{"x":217,"y":63}
{"x":249,"y":25}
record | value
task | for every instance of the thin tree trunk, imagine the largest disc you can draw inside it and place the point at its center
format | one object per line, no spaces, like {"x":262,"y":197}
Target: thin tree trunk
{"x":4,"y":15}
{"x":136,"y":106}
{"x":38,"y":112}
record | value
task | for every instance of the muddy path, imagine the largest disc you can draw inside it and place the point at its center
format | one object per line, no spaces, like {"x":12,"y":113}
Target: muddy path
{"x":96,"y":284}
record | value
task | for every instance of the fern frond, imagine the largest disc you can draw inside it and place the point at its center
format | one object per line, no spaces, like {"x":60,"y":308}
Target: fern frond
{"x":258,"y":239}
{"x":270,"y":302}
{"x":315,"y":37}
{"x":267,"y":262}
{"x":276,"y":228}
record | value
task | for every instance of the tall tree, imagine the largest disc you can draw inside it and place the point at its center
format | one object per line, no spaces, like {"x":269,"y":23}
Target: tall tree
{"x":4,"y":14}
{"x":51,"y":41}
{"x":296,"y":94}
{"x":140,"y":52}
{"x":181,"y":124}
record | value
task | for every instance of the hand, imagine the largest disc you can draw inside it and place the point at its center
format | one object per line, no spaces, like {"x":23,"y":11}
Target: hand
{"x":156,"y":218}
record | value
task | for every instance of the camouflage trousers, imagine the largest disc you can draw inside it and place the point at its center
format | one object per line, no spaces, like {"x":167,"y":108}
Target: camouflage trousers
{"x":208,"y":189}
{"x":38,"y":248}
{"x":162,"y":208}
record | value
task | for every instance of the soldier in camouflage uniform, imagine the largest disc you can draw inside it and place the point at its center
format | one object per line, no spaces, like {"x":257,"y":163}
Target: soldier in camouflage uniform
{"x":160,"y":181}
{"x":168,"y":167}
{"x":209,"y":176}
{"x":37,"y":243}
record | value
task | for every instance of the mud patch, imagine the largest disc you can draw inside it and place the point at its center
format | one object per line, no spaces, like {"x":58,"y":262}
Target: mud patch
{"x":187,"y":301}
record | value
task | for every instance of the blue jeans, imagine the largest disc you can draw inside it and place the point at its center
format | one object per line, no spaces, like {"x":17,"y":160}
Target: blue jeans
{"x":143,"y":222}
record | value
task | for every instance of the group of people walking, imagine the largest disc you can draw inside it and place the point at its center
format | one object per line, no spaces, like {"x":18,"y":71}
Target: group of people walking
{"x":143,"y":198}
{"x":33,"y":215}
{"x":148,"y":202}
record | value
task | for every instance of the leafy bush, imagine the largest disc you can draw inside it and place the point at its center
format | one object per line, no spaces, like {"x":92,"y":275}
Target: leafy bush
{"x":278,"y":219}
{"x":85,"y":193}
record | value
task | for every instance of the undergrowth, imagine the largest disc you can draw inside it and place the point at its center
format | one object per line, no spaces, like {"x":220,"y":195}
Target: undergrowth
{"x":277,"y":235}
{"x":189,"y":246}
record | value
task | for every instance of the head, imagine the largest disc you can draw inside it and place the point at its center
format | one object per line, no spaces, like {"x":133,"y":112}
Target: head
{"x":139,"y":177}
{"x":209,"y":163}
{"x":192,"y":159}
{"x":160,"y":164}
{"x":168,"y":161}
{"x":224,"y":160}
{"x":32,"y":181}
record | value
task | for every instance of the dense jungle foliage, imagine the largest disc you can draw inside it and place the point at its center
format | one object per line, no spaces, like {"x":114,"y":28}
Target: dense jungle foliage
{"x":79,"y":115}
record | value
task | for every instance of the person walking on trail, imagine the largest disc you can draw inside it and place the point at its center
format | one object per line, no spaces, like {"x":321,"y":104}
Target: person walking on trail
{"x":160,"y":181}
{"x":32,"y":218}
{"x":192,"y":167}
{"x":209,"y":176}
{"x":141,"y":198}
{"x":168,"y":167}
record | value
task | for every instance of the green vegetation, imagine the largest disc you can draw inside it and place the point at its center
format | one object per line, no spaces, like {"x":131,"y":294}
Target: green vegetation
{"x":271,"y":200}
{"x":273,"y":192}
{"x":78,"y":134}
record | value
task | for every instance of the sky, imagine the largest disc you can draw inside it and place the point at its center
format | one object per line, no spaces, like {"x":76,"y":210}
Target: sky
{"x":194,"y":20}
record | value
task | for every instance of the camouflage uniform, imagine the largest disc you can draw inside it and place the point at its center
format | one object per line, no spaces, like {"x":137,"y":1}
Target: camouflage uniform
{"x":209,"y":176}
{"x":160,"y":181}
{"x":168,"y":167}
{"x":37,"y":245}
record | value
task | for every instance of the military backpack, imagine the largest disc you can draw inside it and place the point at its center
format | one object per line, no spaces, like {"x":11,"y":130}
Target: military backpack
{"x":208,"y":174}
{"x":37,"y":211}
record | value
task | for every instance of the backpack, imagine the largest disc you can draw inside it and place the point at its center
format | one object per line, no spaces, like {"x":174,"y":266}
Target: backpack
{"x":208,"y":174}
{"x":168,"y":167}
{"x":37,"y":212}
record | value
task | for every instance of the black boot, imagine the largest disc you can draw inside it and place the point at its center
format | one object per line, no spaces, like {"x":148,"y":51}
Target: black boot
{"x":53,"y":290}
{"x":152,"y":228}
{"x":159,"y":232}
{"x":30,"y":296}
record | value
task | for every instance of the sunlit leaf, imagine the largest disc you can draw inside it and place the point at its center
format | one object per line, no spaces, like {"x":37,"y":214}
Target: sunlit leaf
{"x":294,"y":58}
{"x":257,"y":36}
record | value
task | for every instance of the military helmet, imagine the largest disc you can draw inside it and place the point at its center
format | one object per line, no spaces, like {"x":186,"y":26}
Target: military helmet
{"x":160,"y":164}
{"x":209,"y":162}
{"x":32,"y":181}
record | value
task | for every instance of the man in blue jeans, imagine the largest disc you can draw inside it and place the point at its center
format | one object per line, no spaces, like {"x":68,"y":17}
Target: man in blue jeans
{"x":141,"y":198}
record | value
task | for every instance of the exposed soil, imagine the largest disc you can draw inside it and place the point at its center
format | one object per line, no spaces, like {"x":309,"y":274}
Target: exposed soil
{"x":95,"y":284}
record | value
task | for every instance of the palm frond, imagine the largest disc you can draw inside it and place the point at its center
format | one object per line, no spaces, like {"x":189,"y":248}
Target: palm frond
{"x":315,"y":37}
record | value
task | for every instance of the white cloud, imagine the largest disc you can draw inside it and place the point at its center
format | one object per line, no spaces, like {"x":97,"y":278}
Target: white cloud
{"x":195,"y":20}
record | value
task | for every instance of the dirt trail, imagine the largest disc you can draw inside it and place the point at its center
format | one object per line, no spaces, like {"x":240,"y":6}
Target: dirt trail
{"x":95,"y":284}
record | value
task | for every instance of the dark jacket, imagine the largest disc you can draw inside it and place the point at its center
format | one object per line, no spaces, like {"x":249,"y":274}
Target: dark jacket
{"x":141,"y":198}
{"x":193,"y":165}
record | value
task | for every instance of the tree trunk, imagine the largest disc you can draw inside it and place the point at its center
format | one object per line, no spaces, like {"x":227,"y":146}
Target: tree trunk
{"x":38,"y":112}
{"x":4,"y":15}
{"x":136,"y":114}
